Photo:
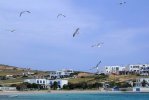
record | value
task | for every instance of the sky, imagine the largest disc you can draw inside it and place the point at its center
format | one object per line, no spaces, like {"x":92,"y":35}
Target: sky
{"x":44,"y":42}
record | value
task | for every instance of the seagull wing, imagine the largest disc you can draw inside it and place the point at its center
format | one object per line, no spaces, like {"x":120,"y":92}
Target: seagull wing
{"x":58,"y":15}
{"x":98,"y":64}
{"x":24,"y":12}
{"x":64,"y":16}
{"x":99,"y":44}
{"x":28,"y":11}
{"x":76,"y":32}
{"x":21,"y":13}
{"x":13,"y":30}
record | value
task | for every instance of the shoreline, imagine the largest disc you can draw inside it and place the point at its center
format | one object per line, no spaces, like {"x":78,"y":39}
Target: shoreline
{"x":62,"y":92}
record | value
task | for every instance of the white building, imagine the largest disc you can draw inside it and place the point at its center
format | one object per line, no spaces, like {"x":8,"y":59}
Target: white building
{"x":37,"y":81}
{"x":60,"y":82}
{"x":135,"y":68}
{"x":114,"y":69}
{"x":141,"y":85}
{"x":142,"y":69}
{"x":140,"y":80}
{"x":46,"y":82}
{"x":60,"y":73}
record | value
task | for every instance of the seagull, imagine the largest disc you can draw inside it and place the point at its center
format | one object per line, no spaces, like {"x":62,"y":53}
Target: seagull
{"x":97,"y":66}
{"x":76,"y":32}
{"x":24,"y":12}
{"x":97,"y":45}
{"x":60,"y":15}
{"x":121,"y":3}
{"x":13,"y":30}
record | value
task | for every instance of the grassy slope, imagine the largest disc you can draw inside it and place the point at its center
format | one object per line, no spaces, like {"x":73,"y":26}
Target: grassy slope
{"x":18,"y":79}
{"x":11,"y":81}
{"x":117,"y":78}
{"x":10,"y":72}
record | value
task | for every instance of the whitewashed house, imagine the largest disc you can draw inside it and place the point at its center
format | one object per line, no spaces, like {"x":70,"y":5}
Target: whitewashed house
{"x":141,"y":85}
{"x":141,"y":69}
{"x":114,"y":69}
{"x":37,"y":81}
{"x":60,"y":82}
{"x":64,"y":73}
{"x":144,"y":70}
{"x":135,"y":68}
{"x":45,"y":83}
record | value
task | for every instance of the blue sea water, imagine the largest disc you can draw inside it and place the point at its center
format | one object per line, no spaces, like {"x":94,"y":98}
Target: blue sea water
{"x":85,"y":96}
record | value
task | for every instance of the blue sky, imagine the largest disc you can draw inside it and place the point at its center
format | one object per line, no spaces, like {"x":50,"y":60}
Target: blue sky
{"x":41,"y":41}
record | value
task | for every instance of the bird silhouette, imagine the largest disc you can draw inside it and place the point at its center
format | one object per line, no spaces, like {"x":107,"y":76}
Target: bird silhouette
{"x":24,"y":12}
{"x":13,"y":30}
{"x":96,"y":67}
{"x":121,"y":3}
{"x":98,"y":45}
{"x":98,"y":64}
{"x":60,"y":15}
{"x":76,"y":32}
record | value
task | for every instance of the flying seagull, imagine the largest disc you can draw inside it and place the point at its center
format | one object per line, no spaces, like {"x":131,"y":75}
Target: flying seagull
{"x":97,"y":45}
{"x":24,"y":12}
{"x":97,"y":66}
{"x":60,"y":15}
{"x":13,"y":30}
{"x":121,"y":3}
{"x":76,"y":32}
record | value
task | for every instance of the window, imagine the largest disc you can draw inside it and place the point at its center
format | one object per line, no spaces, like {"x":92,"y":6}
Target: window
{"x":117,"y":68}
{"x":38,"y":81}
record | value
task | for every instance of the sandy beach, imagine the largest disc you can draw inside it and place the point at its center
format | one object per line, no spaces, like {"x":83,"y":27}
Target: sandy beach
{"x":61,"y":92}
{"x":54,"y":92}
{"x":42,"y":92}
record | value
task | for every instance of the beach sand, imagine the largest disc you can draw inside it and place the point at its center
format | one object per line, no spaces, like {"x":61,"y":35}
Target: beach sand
{"x":51,"y":91}
{"x":54,"y":92}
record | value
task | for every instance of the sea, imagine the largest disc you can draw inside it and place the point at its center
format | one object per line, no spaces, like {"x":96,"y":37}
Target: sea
{"x":79,"y":96}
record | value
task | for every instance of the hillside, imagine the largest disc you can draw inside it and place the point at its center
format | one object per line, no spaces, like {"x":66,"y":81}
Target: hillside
{"x":7,"y":67}
{"x":14,"y":75}
{"x":100,"y":78}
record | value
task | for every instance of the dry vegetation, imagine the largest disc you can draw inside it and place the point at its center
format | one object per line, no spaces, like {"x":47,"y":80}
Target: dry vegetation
{"x":100,"y":78}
